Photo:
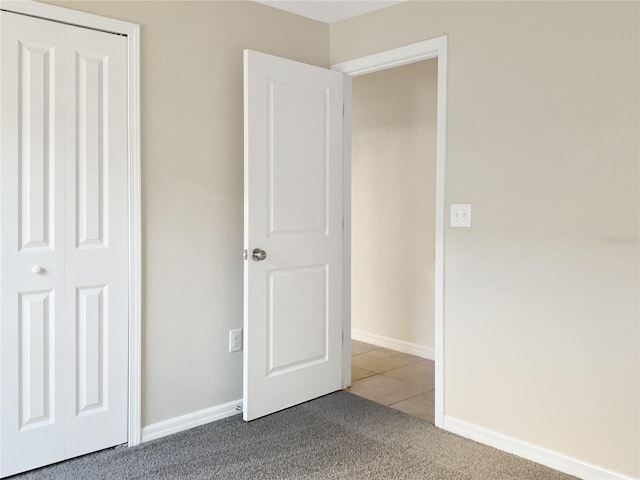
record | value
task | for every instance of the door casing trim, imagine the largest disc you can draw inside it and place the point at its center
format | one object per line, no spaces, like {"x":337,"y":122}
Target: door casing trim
{"x":132,"y":32}
{"x":432,"y":48}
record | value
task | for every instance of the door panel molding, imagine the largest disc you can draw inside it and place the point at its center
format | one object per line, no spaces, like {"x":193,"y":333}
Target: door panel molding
{"x":132,"y":33}
{"x":433,"y":48}
{"x":91,"y":75}
{"x":35,"y":184}
{"x":312,"y":341}
{"x":91,"y":339}
{"x":36,"y":349}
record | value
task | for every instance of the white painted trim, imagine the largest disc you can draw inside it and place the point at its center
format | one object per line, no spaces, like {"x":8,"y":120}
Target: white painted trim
{"x":396,"y":57}
{"x":190,"y":420}
{"x":535,"y":453}
{"x":346,"y":233}
{"x":132,"y":31}
{"x":394,"y":344}
{"x":68,"y":16}
{"x":135,"y":242}
{"x":441,"y":172}
{"x":434,"y":48}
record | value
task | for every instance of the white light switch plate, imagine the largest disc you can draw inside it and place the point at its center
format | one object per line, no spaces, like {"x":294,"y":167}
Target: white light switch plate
{"x":460,"y":215}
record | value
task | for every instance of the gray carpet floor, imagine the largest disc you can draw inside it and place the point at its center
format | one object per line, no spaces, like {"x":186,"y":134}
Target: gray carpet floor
{"x":340,"y":436}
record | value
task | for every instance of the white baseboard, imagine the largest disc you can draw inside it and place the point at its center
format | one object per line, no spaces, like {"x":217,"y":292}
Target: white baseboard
{"x":555,"y":460}
{"x":190,"y":420}
{"x":394,"y":344}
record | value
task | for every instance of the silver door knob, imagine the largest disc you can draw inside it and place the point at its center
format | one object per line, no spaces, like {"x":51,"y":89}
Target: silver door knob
{"x":258,"y":254}
{"x":37,"y":269}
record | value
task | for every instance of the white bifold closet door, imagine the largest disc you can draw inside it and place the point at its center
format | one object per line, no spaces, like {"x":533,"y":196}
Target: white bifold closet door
{"x":63,"y":242}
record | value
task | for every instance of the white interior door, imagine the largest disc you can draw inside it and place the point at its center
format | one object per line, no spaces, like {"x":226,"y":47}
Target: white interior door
{"x":293,"y":215}
{"x":63,"y":242}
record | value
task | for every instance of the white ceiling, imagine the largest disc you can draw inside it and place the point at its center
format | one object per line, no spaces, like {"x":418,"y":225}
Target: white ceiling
{"x":329,"y":11}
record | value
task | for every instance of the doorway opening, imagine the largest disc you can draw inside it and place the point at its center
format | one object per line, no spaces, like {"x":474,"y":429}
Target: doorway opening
{"x":410,"y":298}
{"x":393,"y":161}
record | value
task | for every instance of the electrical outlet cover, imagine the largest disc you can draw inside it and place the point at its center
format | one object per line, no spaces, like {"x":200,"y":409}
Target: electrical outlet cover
{"x":235,"y":340}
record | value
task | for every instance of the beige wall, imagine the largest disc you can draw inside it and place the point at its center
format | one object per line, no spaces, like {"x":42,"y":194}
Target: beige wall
{"x":541,"y":295}
{"x":393,"y":202}
{"x":192,"y":174}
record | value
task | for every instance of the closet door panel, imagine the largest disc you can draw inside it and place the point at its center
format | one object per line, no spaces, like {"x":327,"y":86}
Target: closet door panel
{"x":96,"y":285}
{"x":31,"y":243}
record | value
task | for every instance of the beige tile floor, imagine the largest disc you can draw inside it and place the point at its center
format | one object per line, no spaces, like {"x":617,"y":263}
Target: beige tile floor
{"x":401,"y":381}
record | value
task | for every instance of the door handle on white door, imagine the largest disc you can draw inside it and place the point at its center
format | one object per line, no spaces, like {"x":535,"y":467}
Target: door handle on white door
{"x":37,"y":269}
{"x":258,"y":254}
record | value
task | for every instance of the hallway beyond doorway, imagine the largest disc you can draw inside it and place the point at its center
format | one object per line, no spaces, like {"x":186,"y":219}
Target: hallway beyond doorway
{"x":398,"y":380}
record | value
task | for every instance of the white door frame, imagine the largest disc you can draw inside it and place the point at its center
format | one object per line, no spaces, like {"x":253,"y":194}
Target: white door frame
{"x":433,"y":48}
{"x":132,"y":32}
